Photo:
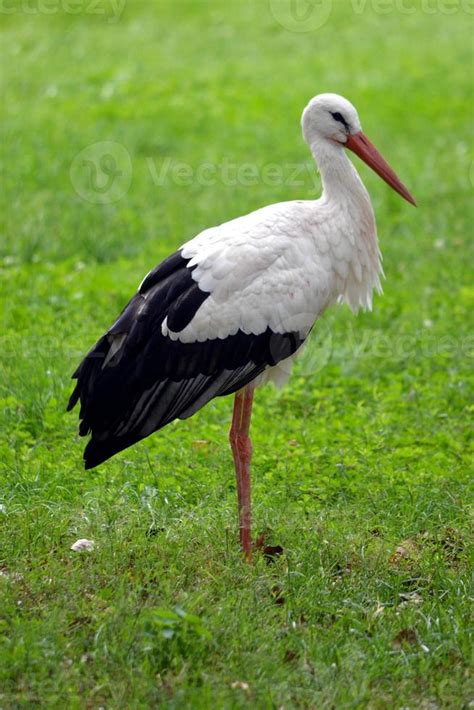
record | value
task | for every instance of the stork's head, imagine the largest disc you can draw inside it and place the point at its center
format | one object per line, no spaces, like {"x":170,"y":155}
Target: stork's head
{"x":332,"y":118}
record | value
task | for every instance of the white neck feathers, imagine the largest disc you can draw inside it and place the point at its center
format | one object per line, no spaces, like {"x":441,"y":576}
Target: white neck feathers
{"x":348,"y":204}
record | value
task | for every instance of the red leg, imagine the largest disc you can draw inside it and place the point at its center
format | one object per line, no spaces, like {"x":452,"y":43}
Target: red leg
{"x":242,"y":451}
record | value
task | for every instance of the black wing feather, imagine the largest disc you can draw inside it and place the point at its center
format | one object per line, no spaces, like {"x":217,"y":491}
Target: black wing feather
{"x":135,"y":380}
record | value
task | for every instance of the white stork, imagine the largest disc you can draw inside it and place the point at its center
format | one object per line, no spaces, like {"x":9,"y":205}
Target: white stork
{"x":232,"y":307}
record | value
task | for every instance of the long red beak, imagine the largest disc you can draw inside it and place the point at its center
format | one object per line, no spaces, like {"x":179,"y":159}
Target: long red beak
{"x":361,"y":146}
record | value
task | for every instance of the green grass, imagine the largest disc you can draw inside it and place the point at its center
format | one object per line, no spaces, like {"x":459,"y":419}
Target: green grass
{"x":352,"y":460}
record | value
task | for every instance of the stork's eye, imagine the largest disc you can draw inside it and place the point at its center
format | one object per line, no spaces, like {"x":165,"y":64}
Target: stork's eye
{"x":339,"y":117}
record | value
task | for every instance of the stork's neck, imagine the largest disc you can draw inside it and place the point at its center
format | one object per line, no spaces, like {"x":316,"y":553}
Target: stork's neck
{"x":340,"y":179}
{"x":348,"y":205}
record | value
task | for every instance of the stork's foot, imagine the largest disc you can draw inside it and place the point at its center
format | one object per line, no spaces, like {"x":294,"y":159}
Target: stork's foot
{"x":270,"y":552}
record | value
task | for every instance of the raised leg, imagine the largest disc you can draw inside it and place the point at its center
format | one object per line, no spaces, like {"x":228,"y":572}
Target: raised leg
{"x":242,"y":450}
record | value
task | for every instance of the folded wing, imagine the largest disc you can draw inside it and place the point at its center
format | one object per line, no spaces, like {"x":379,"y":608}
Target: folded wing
{"x":138,"y":378}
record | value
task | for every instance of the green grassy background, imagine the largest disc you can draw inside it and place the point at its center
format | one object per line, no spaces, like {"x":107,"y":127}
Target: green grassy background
{"x":352,"y":460}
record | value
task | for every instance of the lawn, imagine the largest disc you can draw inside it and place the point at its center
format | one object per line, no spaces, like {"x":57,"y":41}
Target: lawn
{"x":362,"y":463}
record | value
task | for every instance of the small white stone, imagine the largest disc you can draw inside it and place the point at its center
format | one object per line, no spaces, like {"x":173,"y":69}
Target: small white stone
{"x":240,"y":684}
{"x":83,"y":544}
